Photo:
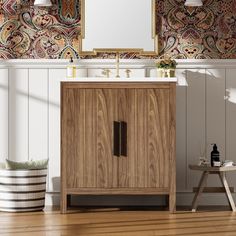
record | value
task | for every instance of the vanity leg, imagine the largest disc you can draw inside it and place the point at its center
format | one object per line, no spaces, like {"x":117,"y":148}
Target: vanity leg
{"x":63,"y":203}
{"x":172,"y":203}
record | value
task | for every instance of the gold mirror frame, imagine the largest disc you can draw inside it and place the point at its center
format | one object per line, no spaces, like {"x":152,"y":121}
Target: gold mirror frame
{"x":139,"y":51}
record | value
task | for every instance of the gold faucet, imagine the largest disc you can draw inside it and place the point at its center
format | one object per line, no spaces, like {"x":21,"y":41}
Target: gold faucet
{"x":117,"y":65}
{"x":106,"y":72}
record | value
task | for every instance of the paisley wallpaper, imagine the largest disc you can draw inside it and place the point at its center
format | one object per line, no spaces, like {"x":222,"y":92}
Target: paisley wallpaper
{"x":31,"y":32}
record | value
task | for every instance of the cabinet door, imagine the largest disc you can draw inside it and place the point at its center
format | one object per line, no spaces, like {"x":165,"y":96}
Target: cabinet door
{"x":147,"y":114}
{"x":87,"y":134}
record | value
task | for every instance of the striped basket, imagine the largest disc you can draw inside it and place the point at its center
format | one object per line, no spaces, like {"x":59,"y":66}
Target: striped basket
{"x":22,"y":190}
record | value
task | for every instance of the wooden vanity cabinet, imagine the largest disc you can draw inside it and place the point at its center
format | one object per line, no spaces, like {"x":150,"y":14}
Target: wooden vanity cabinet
{"x":90,"y":164}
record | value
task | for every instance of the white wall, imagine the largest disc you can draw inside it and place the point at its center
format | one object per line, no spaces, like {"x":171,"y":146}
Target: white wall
{"x":30,"y":115}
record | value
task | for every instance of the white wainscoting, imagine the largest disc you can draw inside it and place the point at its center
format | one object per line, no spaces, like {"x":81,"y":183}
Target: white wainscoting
{"x":30,"y":116}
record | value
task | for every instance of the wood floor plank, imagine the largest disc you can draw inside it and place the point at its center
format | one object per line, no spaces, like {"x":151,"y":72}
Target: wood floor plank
{"x":115,"y":222}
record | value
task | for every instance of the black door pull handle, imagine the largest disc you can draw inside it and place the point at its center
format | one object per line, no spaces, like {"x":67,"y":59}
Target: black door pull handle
{"x":123,"y":138}
{"x":119,"y":138}
{"x":116,"y":138}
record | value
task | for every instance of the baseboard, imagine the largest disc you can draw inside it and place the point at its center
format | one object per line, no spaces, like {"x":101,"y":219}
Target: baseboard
{"x":52,"y":199}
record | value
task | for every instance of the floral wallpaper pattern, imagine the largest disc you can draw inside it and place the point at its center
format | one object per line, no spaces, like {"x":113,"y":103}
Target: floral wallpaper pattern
{"x":184,"y":32}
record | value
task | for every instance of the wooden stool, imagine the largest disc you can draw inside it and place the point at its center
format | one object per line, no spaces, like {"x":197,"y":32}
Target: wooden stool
{"x":221,"y":171}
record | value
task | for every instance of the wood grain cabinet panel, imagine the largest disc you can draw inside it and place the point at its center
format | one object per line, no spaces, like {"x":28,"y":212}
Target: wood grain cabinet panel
{"x":88,"y":120}
{"x":147,"y":114}
{"x":89,"y":165}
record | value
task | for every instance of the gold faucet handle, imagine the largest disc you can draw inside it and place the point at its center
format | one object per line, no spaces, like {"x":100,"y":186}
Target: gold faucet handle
{"x":106,"y":72}
{"x":128,"y":71}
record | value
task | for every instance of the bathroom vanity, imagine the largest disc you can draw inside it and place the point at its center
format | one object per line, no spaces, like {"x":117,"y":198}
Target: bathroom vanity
{"x":118,"y":134}
{"x":118,"y":137}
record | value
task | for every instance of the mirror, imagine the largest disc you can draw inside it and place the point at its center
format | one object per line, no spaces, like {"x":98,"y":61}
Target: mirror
{"x":118,"y":26}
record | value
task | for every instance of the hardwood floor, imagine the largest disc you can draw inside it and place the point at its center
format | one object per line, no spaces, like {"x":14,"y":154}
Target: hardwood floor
{"x":116,"y":222}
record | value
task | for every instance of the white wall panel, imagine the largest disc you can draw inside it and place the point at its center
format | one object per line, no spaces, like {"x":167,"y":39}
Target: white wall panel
{"x":231,"y":125}
{"x":181,"y":128}
{"x":215,"y":110}
{"x":4,"y":114}
{"x":152,"y":72}
{"x":215,"y":116}
{"x":38,"y":113}
{"x":18,"y":114}
{"x":195,"y":122}
{"x":55,"y":76}
{"x":81,"y":73}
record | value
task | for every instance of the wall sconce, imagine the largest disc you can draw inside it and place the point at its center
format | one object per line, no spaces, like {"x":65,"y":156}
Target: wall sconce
{"x":43,"y":3}
{"x":193,"y":3}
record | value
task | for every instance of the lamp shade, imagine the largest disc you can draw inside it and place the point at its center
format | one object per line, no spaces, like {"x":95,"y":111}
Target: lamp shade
{"x":43,"y":3}
{"x":193,"y":3}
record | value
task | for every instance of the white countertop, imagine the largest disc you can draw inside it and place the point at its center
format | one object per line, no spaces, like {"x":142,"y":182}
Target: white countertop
{"x":123,"y":79}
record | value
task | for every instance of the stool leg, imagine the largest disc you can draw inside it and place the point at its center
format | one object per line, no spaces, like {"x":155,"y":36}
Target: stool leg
{"x":200,"y":189}
{"x":227,"y":190}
